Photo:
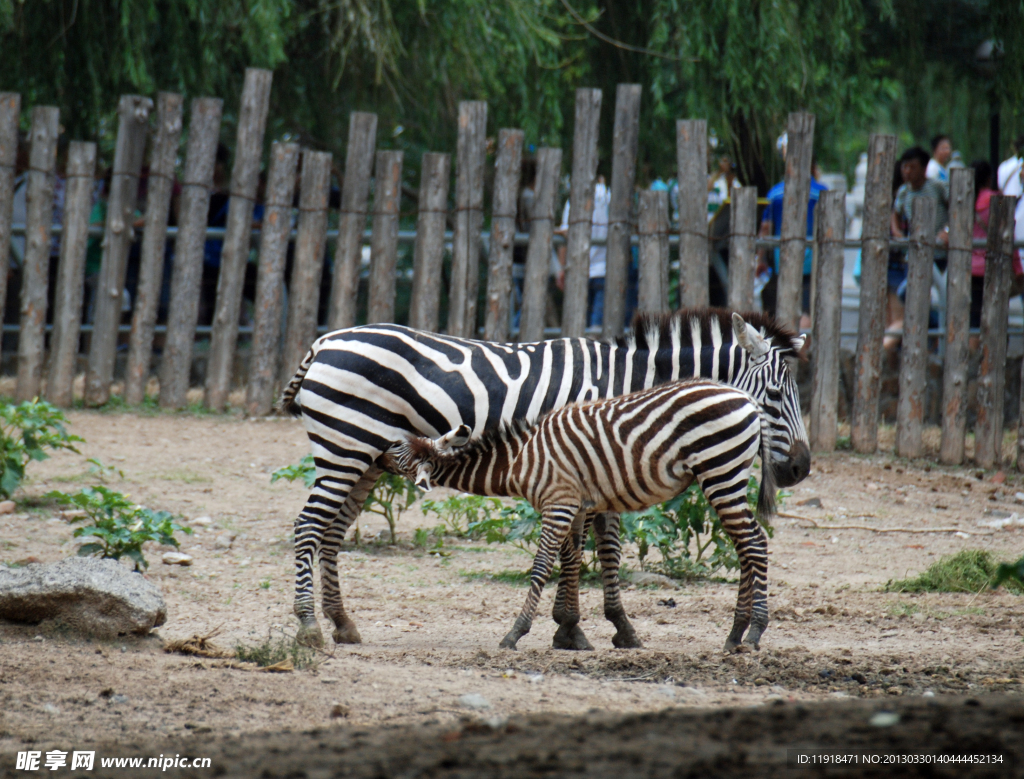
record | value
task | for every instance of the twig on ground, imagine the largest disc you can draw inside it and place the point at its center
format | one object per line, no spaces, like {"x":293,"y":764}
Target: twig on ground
{"x":887,"y":529}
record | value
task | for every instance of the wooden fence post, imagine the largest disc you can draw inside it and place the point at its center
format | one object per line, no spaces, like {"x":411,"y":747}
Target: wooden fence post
{"x":538,"y":253}
{"x":387,"y":198}
{"x":187,"y":271}
{"x":307,"y":270}
{"x":831,"y":227}
{"x":133,"y":128}
{"x":10,"y":113}
{"x":914,"y":354}
{"x":799,"y":150}
{"x":653,"y":226}
{"x":34,"y":282}
{"x":428,"y":254}
{"x":67,"y":301}
{"x":154,"y":245}
{"x":742,"y":255}
{"x":507,"y":173}
{"x":238,"y":236}
{"x":362,"y":139}
{"x":692,"y":165}
{"x":469,"y":217}
{"x":581,"y":211}
{"x":274,"y":236}
{"x":874,"y":269}
{"x":620,"y":216}
{"x":988,"y":433}
{"x":958,"y":316}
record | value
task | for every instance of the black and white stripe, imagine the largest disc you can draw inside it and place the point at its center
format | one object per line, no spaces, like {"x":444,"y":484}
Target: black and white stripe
{"x":360,"y":389}
{"x":623,"y":454}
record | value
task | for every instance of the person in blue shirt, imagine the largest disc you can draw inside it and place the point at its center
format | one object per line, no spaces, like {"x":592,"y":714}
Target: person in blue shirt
{"x":771,"y":224}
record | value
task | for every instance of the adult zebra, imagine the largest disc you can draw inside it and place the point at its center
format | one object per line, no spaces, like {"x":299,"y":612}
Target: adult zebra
{"x":360,"y":389}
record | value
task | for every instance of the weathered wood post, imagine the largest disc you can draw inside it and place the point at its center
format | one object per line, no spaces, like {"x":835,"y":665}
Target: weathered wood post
{"x":274,"y":236}
{"x":362,"y":139}
{"x":428,"y":253}
{"x":874,"y":268}
{"x":132,"y":130}
{"x":538,"y":253}
{"x":154,"y":242}
{"x":10,"y":112}
{"x":831,"y":228}
{"x":384,"y":244}
{"x":469,"y":217}
{"x":507,"y":173}
{"x":742,"y":255}
{"x":988,"y":433}
{"x":304,"y":297}
{"x":581,"y":211}
{"x":692,"y":165}
{"x":38,"y":220}
{"x":245,"y":176}
{"x":653,"y":226}
{"x":958,"y":316}
{"x":187,"y":272}
{"x":914,"y":354}
{"x":620,"y":217}
{"x":797,"y":189}
{"x":67,"y":302}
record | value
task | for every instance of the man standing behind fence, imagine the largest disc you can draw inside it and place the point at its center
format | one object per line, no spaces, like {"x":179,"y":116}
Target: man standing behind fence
{"x":598,"y":254}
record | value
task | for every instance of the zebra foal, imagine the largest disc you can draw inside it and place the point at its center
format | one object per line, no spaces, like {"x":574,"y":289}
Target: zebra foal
{"x":623,"y":454}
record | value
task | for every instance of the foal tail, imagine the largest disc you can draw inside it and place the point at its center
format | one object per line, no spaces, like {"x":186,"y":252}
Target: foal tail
{"x":766,"y":493}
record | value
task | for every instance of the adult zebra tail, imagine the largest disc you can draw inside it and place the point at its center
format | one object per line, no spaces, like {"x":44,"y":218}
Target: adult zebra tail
{"x":766,"y":492}
{"x":287,"y":403}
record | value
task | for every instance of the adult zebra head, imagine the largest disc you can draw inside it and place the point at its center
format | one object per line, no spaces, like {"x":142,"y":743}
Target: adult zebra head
{"x":770,"y":382}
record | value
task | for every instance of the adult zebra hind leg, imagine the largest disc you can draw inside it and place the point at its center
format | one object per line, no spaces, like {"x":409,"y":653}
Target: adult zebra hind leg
{"x":557,"y":520}
{"x":567,"y":600}
{"x":609,"y":553}
{"x":729,"y":500}
{"x":345,"y":631}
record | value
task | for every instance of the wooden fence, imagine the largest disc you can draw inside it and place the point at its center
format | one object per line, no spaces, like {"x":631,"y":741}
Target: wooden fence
{"x":274,"y":355}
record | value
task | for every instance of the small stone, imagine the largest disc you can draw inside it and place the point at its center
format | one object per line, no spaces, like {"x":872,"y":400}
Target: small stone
{"x":7,"y":506}
{"x":894,"y":691}
{"x":535,"y":678}
{"x":176,"y":558}
{"x":49,"y":708}
{"x":884,"y":719}
{"x":202,"y":521}
{"x":871,"y":486}
{"x":667,"y":690}
{"x":811,"y":503}
{"x":999,"y":478}
{"x":224,"y":541}
{"x":1019,"y":497}
{"x":119,"y":699}
{"x":339,"y":710}
{"x":474,"y":700}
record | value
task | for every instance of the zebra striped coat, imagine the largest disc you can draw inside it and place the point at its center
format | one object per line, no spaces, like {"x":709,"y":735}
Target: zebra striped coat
{"x":623,"y":454}
{"x":362,"y":388}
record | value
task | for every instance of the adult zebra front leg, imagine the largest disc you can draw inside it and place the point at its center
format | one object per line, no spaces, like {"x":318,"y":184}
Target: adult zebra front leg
{"x":345,"y":631}
{"x":566,"y":612}
{"x":557,"y":519}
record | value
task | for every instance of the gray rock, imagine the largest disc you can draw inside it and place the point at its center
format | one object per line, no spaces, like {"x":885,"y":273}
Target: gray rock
{"x":646,"y":579}
{"x":474,"y":700}
{"x":85,"y":595}
{"x":224,"y":541}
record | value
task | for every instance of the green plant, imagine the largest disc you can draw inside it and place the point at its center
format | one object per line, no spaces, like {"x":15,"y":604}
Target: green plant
{"x":101,"y":471}
{"x":464,"y":516}
{"x":672,"y":527}
{"x":1012,"y":573}
{"x":390,"y":496}
{"x":305,"y":469}
{"x":119,"y":526}
{"x":274,"y":651}
{"x":27,"y":430}
{"x":968,"y":571}
{"x":264,"y":584}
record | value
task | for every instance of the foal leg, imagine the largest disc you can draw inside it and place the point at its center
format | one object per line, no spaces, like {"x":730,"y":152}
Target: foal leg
{"x":345,"y":631}
{"x":609,"y":552}
{"x":567,"y":600}
{"x":557,"y":519}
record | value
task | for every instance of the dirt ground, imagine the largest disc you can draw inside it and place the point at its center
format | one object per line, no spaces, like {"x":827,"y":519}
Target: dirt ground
{"x":431,"y":624}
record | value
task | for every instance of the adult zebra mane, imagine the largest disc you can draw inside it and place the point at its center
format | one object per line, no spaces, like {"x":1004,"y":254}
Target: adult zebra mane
{"x":657,"y":329}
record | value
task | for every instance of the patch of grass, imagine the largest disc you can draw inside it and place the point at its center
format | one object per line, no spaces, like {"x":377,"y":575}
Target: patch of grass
{"x":968,"y":571}
{"x":264,"y":584}
{"x":274,"y":651}
{"x":186,"y":476}
{"x":522,"y":578}
{"x":902,"y":609}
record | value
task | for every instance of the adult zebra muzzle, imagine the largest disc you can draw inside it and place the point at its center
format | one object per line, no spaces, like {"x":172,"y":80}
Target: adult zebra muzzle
{"x":796,"y":467}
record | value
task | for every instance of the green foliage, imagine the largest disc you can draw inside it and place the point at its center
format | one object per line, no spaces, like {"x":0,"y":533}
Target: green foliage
{"x":119,"y":526}
{"x":968,"y":571}
{"x":518,"y":525}
{"x":304,"y":469}
{"x":274,"y":651}
{"x":672,"y":527}
{"x":101,"y":471}
{"x":391,"y":496}
{"x":27,"y":430}
{"x":465,"y":516}
{"x":1010,"y":574}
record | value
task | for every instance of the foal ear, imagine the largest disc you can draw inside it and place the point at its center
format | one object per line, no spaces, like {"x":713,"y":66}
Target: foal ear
{"x":798,"y":343}
{"x":748,"y":337}
{"x":422,"y":477}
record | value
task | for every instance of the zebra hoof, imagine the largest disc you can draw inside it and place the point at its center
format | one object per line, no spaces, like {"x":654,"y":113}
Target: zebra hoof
{"x":309,"y":635}
{"x":571,"y":638}
{"x":734,"y":648}
{"x":627,"y":640}
{"x":346,"y":633}
{"x":509,"y":642}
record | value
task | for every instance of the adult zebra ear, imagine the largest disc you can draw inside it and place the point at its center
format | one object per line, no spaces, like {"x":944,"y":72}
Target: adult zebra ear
{"x":454,"y":439}
{"x":749,"y":338}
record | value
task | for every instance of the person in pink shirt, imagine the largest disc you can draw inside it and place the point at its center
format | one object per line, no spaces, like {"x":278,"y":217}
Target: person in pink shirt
{"x":983,"y":199}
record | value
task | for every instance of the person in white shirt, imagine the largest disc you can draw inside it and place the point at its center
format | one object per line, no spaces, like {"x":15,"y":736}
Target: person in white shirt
{"x":1008,"y":177}
{"x":598,"y":254}
{"x":938,"y":165}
